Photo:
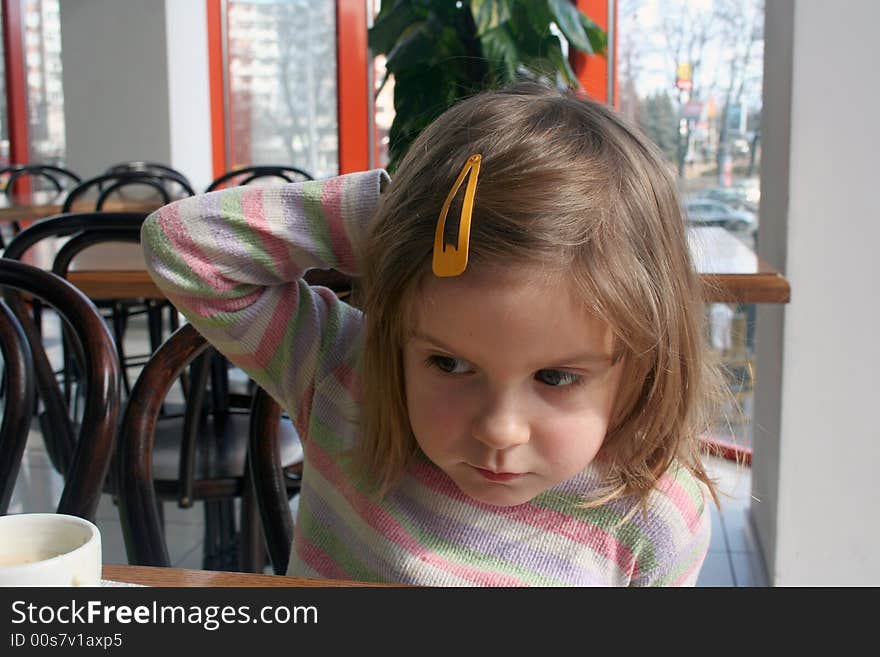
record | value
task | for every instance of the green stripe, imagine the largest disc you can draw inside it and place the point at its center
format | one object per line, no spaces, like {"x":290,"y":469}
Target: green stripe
{"x":681,"y":567}
{"x":283,"y":356}
{"x":469,"y":557}
{"x":690,"y":484}
{"x":316,"y":222}
{"x":233,"y":213}
{"x":607,"y":518}
{"x":166,"y":258}
{"x":340,"y":554}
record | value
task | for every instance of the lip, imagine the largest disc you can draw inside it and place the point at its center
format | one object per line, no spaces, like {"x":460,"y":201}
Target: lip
{"x":499,"y":477}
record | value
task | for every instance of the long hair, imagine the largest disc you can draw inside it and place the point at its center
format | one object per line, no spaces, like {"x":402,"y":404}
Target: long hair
{"x":567,"y":185}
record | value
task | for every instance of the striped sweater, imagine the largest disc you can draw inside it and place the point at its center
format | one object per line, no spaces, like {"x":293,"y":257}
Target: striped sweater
{"x":232,"y":262}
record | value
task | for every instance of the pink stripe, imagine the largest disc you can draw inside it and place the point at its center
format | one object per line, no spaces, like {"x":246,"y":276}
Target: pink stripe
{"x":579,"y":531}
{"x":274,"y":332}
{"x":214,"y":306}
{"x":690,"y":571}
{"x":682,"y":501}
{"x":387,"y":526}
{"x":176,"y":233}
{"x":348,"y":379}
{"x":331,"y":203}
{"x":317,"y":559}
{"x":253,"y":210}
{"x":301,"y":421}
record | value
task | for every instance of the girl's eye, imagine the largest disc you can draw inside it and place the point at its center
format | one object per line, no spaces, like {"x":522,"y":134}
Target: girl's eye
{"x":448,"y":364}
{"x":558,"y":378}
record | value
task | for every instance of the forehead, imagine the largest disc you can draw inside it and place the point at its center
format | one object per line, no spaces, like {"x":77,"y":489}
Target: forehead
{"x":527,"y":312}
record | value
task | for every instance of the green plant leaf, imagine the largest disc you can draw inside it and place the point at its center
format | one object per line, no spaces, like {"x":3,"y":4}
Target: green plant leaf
{"x":568,"y":18}
{"x":389,"y":24}
{"x":597,"y":36}
{"x":489,"y":14}
{"x":441,"y":51}
{"x":553,"y":50}
{"x":413,"y":46}
{"x":501,"y":52}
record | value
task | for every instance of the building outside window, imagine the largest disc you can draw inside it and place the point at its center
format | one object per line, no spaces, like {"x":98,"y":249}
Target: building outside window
{"x":281,"y":59}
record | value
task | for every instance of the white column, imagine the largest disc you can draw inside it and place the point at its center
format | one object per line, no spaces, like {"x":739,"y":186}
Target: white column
{"x":188,"y":90}
{"x":818,"y":445}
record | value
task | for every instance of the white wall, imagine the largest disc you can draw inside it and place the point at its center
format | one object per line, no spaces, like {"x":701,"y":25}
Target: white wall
{"x":115,"y":83}
{"x":135,"y":75}
{"x":815,"y":465}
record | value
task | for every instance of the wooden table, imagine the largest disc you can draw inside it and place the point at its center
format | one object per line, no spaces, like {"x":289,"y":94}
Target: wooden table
{"x":149,"y":576}
{"x":46,"y":204}
{"x":730,"y":271}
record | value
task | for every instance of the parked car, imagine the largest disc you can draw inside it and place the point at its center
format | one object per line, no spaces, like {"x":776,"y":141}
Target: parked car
{"x":706,"y":212}
{"x":739,"y":197}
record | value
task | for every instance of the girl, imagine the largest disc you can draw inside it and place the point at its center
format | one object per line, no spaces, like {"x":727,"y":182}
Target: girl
{"x":519,"y":399}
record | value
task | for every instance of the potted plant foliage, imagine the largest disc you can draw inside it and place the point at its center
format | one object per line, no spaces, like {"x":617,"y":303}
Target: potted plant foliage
{"x":440,"y":51}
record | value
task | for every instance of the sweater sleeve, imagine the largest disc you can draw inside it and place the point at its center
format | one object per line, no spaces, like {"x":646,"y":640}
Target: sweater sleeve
{"x":232,"y":262}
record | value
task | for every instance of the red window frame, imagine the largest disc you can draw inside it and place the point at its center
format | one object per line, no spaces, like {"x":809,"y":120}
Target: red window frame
{"x":352,"y":86}
{"x":16,"y":91}
{"x":597,"y":74}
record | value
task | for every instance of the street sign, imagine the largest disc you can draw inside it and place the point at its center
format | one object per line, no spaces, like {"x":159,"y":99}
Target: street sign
{"x":683,"y":77}
{"x":692,"y":110}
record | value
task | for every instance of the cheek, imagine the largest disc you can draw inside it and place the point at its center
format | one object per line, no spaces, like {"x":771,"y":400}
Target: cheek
{"x":433,"y":408}
{"x":571,"y":442}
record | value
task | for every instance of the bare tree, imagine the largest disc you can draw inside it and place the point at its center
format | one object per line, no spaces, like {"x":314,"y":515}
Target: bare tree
{"x":742,"y":34}
{"x":687,"y":31}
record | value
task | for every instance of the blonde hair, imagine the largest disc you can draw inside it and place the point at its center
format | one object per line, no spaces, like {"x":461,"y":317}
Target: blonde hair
{"x":567,"y":185}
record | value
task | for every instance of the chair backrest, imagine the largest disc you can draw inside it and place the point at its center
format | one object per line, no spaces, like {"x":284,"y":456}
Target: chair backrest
{"x":138,"y":503}
{"x":245,"y":175}
{"x":91,"y":451}
{"x":164,"y":187}
{"x":18,"y":400}
{"x":58,"y":177}
{"x":271,"y":482}
{"x":138,"y":485}
{"x":150,"y":168}
{"x":84,"y":229}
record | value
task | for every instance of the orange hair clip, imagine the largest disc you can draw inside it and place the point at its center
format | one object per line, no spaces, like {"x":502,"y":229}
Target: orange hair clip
{"x":452,"y":260}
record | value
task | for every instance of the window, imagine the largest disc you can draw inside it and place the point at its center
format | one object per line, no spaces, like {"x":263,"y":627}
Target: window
{"x":45,"y":98}
{"x":690,"y":75}
{"x":282,"y":84}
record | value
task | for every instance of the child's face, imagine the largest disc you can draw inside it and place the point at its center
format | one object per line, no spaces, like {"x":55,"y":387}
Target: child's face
{"x":510,"y":384}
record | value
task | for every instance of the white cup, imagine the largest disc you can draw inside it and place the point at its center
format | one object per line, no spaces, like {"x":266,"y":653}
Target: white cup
{"x":49,"y":549}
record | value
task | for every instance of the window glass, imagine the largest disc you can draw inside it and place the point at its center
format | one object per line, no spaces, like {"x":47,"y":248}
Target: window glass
{"x":690,"y":76}
{"x":282,"y":84}
{"x":45,"y":99}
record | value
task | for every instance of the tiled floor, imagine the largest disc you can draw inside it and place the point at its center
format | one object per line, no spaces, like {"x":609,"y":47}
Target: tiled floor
{"x":733,"y":558}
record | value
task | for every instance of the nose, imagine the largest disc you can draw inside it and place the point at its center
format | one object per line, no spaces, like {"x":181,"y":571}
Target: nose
{"x":501,"y":424}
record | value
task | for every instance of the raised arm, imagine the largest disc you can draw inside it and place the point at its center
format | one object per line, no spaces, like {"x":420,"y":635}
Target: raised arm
{"x":232,"y":262}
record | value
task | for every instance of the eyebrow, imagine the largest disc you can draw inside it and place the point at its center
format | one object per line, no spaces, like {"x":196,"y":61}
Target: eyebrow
{"x":582,"y":357}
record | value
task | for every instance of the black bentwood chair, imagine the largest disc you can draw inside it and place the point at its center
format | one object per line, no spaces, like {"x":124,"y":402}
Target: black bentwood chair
{"x":149,"y":168}
{"x":157,"y":189}
{"x":273,"y":482}
{"x":201,"y":456}
{"x":47,"y":178}
{"x":89,"y":229}
{"x":246,"y":175}
{"x":43,"y":175}
{"x":17,"y":392}
{"x":84,"y":453}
